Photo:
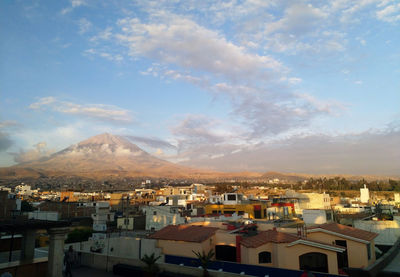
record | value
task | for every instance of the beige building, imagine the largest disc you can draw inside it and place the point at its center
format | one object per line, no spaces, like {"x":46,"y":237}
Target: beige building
{"x":359,"y":244}
{"x":326,"y":248}
{"x":278,"y":249}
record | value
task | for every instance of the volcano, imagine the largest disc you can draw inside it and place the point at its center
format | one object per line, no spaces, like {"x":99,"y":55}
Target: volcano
{"x":104,"y":155}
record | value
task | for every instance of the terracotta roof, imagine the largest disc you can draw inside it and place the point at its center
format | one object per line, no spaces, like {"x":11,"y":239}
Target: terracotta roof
{"x":268,"y":236}
{"x":346,"y":230}
{"x":187,"y":233}
{"x":317,"y":243}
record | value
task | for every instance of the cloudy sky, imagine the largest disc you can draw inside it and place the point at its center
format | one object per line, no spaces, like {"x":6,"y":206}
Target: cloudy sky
{"x":294,"y":86}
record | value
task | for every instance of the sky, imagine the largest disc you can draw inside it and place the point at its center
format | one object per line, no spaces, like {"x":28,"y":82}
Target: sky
{"x":252,"y":85}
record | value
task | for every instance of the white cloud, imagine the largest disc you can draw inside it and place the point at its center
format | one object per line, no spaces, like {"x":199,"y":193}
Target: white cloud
{"x":390,"y":13}
{"x":117,"y":58}
{"x":8,"y":124}
{"x":106,"y":34}
{"x":94,"y":111}
{"x":183,"y":43}
{"x":74,"y":4}
{"x":84,"y":25}
{"x":298,"y":19}
{"x":39,"y":151}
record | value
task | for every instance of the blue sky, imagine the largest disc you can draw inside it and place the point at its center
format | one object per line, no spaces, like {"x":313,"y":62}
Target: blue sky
{"x":301,"y":86}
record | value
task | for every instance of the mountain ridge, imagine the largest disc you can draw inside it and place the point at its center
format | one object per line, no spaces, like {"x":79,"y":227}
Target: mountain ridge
{"x":106,"y":155}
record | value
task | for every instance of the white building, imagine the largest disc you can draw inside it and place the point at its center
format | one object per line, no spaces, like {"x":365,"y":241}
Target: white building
{"x":25,"y":190}
{"x":157,"y":217}
{"x":364,"y":192}
{"x":100,"y":218}
{"x":312,"y":200}
{"x":397,"y":198}
{"x":232,"y":198}
{"x":316,"y":217}
{"x":44,"y":215}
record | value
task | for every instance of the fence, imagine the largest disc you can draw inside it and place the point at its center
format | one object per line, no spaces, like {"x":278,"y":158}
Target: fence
{"x":253,"y":270}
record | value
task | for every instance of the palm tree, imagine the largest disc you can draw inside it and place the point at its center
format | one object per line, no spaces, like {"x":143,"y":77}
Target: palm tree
{"x":151,"y":266}
{"x":205,"y":260}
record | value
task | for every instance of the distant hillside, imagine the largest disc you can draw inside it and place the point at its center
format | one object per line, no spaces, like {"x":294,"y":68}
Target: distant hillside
{"x":107,"y":155}
{"x":100,"y":156}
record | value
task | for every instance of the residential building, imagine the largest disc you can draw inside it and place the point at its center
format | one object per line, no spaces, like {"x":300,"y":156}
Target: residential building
{"x":136,"y":222}
{"x":317,"y":217}
{"x":359,"y":244}
{"x":364,"y":194}
{"x":325,"y":248}
{"x":9,"y":204}
{"x":235,"y":203}
{"x":157,"y":217}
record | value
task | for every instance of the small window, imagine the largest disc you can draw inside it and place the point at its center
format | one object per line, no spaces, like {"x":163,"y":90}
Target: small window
{"x":369,"y":251}
{"x":231,"y":197}
{"x":328,"y":216}
{"x":264,"y":257}
{"x":155,"y":213}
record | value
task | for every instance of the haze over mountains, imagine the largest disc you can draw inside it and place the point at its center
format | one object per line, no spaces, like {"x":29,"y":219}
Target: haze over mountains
{"x":107,"y":155}
{"x":104,"y":155}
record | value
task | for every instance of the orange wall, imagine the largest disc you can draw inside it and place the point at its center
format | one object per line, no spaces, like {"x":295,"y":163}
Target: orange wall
{"x":70,"y":195}
{"x":185,"y":249}
{"x":287,"y":257}
{"x":356,"y":251}
{"x":290,"y":256}
{"x":224,"y":238}
{"x":250,"y":255}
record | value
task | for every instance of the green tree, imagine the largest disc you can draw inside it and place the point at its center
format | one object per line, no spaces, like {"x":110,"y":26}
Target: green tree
{"x":151,"y":267}
{"x":205,"y":260}
{"x":26,"y":206}
{"x":78,"y":235}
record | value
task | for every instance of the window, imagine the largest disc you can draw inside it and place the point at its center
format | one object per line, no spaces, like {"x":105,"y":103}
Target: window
{"x":264,"y":257}
{"x":240,"y":212}
{"x":231,"y":197}
{"x":328,"y":216}
{"x":155,"y":213}
{"x":369,"y":251}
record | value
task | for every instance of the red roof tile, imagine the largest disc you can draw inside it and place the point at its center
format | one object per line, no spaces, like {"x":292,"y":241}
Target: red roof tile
{"x":347,"y":231}
{"x":187,"y":233}
{"x":268,"y":236}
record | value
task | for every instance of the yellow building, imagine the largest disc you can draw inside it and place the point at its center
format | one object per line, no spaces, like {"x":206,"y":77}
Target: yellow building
{"x":68,"y":196}
{"x":256,"y":210}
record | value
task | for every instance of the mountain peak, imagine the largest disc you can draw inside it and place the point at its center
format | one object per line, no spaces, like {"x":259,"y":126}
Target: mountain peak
{"x":105,"y":138}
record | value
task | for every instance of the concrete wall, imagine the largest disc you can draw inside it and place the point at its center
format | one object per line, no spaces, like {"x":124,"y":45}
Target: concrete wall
{"x":312,"y":217}
{"x":356,"y":251}
{"x":128,"y":247}
{"x":35,"y":268}
{"x":102,"y":262}
{"x":389,"y":231}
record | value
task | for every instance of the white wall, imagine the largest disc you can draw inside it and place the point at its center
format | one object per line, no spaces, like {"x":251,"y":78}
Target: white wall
{"x":312,"y":217}
{"x":389,"y":231}
{"x":126,"y":247}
